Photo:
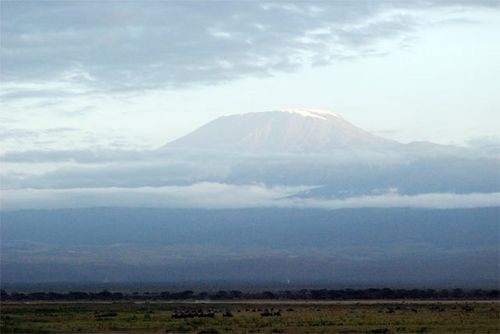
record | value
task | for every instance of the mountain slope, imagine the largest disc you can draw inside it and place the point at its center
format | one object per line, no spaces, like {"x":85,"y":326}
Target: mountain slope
{"x":294,"y":130}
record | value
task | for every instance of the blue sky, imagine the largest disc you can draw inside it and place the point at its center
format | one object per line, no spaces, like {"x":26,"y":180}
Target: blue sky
{"x":132,"y":75}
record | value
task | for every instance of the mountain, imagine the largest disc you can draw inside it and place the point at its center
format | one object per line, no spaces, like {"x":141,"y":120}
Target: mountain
{"x":289,"y":130}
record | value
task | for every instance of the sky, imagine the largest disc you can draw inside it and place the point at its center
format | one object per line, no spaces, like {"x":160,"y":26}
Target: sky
{"x":136,"y":75}
{"x":89,"y":89}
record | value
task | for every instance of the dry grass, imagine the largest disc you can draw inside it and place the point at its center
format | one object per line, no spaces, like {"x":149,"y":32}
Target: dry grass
{"x":296,"y":317}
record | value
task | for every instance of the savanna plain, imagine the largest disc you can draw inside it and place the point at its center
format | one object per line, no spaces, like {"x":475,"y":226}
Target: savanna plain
{"x":252,"y":317}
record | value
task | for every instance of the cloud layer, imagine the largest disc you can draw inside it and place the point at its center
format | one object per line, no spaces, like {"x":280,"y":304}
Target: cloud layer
{"x":90,"y":46}
{"x":219,"y":195}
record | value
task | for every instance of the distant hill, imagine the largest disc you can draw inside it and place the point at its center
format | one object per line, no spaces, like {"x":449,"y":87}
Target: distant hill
{"x":350,"y":247}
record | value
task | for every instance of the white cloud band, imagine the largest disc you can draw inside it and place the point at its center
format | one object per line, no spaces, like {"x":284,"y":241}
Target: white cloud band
{"x":222,"y":195}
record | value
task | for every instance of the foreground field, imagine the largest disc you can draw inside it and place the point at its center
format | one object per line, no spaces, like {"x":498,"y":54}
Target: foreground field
{"x":252,"y":317}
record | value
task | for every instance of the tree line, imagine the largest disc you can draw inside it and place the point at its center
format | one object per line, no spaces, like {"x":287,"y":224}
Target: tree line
{"x":304,"y":294}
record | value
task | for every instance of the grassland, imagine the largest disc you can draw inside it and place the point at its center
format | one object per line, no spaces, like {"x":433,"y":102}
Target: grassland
{"x":296,"y":317}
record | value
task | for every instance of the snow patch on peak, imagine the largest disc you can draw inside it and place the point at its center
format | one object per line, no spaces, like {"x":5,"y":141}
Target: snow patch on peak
{"x":315,"y":113}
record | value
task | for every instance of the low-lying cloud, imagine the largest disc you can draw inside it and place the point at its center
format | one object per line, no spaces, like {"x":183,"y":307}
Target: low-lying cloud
{"x":221,"y":195}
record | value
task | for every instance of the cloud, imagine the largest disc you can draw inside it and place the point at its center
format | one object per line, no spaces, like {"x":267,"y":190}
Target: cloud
{"x":18,"y":143}
{"x":221,"y":195}
{"x":80,"y":156}
{"x":204,"y":195}
{"x":394,"y":200}
{"x":7,"y":134}
{"x":90,"y":47}
{"x":18,"y":134}
{"x":340,"y":174}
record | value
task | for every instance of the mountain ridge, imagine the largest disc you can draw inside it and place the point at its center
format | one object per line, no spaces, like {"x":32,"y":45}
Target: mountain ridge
{"x":286,"y":130}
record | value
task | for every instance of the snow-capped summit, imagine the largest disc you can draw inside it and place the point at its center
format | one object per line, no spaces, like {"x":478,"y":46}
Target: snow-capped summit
{"x":286,"y":130}
{"x":306,"y":112}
